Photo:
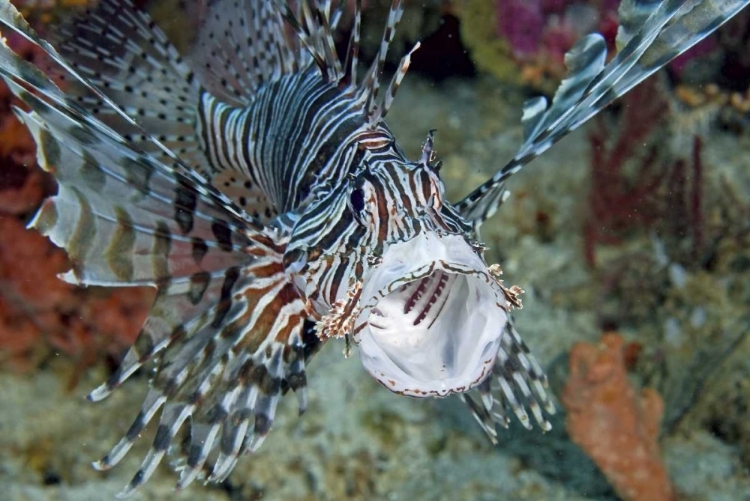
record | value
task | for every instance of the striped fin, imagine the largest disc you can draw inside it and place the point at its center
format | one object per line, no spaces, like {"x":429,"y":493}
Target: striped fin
{"x":139,"y":70}
{"x":313,"y":25}
{"x":96,"y":138}
{"x":226,"y":136}
{"x":240,"y":45}
{"x":517,"y":383}
{"x":584,"y":62}
{"x":220,"y":380}
{"x":352,"y":52}
{"x":122,"y":218}
{"x":126,"y":219}
{"x":673,"y":27}
{"x":226,"y":323}
{"x":11,"y":19}
{"x":371,"y":84}
{"x":314,"y":22}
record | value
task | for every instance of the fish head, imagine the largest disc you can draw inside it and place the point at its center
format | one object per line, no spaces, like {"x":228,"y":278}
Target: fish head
{"x":407,"y":283}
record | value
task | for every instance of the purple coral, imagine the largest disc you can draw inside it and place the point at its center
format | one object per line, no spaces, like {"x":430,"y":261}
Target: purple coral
{"x":520,"y":22}
{"x":542,"y":31}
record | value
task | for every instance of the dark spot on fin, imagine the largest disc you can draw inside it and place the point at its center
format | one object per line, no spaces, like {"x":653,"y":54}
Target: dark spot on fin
{"x":225,"y":300}
{"x":92,"y":173}
{"x":45,"y":218}
{"x":136,"y":428}
{"x":262,"y":424}
{"x":184,"y":207}
{"x":50,"y":149}
{"x":198,"y":285}
{"x":199,"y":249}
{"x":144,"y":346}
{"x":160,"y":254}
{"x":119,"y":253}
{"x":162,"y":438}
{"x":223,"y":234}
{"x":85,"y":231}
{"x":139,"y":174}
{"x":83,"y":135}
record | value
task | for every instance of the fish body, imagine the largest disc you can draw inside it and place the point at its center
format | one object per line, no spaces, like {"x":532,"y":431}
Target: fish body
{"x":255,"y":183}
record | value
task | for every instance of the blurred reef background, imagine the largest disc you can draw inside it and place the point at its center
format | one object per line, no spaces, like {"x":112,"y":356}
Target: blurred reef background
{"x":631,"y":239}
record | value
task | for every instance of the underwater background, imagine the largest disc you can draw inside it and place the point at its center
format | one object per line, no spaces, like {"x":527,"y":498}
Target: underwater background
{"x":631,"y":238}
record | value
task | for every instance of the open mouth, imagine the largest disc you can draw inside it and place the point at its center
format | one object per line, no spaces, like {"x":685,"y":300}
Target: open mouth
{"x":432,"y":317}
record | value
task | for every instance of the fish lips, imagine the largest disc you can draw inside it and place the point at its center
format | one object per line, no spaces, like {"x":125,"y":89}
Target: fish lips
{"x":431,"y":317}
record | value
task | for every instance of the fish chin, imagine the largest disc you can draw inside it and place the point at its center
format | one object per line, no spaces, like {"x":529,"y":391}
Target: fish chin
{"x":432,"y":317}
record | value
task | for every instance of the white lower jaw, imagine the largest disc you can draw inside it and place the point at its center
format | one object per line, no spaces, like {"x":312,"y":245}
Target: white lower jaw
{"x":432,"y":317}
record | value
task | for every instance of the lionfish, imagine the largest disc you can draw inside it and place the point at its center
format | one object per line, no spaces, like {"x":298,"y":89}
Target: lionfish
{"x":254,"y":182}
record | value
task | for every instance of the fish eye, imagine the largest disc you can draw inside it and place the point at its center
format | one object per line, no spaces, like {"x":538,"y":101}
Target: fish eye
{"x":357,"y":200}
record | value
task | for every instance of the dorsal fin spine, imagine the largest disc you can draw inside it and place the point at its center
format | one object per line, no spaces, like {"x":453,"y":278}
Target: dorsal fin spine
{"x":398,"y":77}
{"x":371,"y":85}
{"x":352,"y":54}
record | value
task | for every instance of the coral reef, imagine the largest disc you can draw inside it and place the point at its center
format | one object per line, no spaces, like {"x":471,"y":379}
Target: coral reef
{"x":521,"y":41}
{"x":638,"y":183}
{"x":525,"y":41}
{"x":713,"y":79}
{"x":617,"y":426}
{"x":723,"y":406}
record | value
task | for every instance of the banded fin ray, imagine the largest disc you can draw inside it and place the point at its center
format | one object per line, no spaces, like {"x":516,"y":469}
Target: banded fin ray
{"x":313,"y":25}
{"x":240,"y":45}
{"x":121,"y":52}
{"x":352,"y":52}
{"x":220,"y":382}
{"x":177,"y":310}
{"x":584,"y":62}
{"x":14,"y":21}
{"x":517,"y":383}
{"x":672,"y":27}
{"x":223,"y":294}
{"x":372,"y":81}
{"x":128,"y":222}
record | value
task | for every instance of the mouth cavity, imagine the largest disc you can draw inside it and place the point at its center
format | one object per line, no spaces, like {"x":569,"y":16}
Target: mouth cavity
{"x":431,"y":319}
